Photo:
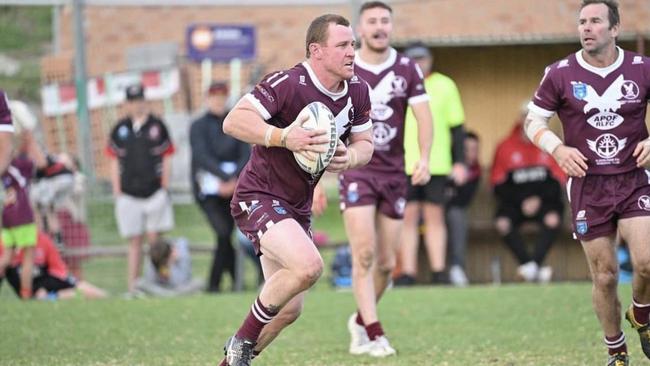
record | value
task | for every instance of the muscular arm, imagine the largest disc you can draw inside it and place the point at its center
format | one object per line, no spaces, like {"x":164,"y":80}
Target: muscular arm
{"x":245,"y":123}
{"x":536,"y":127}
{"x":356,"y":154}
{"x":570,"y":159}
{"x":422,"y":113}
{"x":362,"y":148}
{"x":6,"y":147}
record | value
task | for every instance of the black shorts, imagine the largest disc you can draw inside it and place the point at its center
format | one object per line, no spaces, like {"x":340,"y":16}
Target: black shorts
{"x":517,"y":217}
{"x":436,"y":191}
{"x":47,"y":282}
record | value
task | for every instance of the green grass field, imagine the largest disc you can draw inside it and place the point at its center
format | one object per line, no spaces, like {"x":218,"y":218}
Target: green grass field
{"x":483,"y":325}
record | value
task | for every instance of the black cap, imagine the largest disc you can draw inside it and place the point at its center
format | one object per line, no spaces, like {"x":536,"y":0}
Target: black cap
{"x":417,"y":50}
{"x":218,"y":87}
{"x":135,"y":92}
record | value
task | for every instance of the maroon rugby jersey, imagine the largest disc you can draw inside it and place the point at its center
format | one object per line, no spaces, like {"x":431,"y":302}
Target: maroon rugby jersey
{"x":602,"y":109}
{"x":5,"y":114}
{"x":279,"y":98}
{"x":394,"y":84}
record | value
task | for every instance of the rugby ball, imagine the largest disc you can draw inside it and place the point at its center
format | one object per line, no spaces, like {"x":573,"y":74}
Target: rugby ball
{"x":319,"y":116}
{"x":22,"y":117}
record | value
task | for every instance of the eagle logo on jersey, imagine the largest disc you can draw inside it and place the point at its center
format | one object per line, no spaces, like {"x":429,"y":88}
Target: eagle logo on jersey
{"x":631,"y":89}
{"x":344,"y":118}
{"x":390,"y":86}
{"x":606,"y":104}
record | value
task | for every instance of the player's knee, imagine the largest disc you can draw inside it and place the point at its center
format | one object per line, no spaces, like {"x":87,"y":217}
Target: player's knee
{"x":364,"y":258}
{"x":310,"y":272}
{"x":552,"y":220}
{"x":503,"y":225}
{"x":386,"y":265}
{"x":606,"y":278}
{"x":642,"y":268}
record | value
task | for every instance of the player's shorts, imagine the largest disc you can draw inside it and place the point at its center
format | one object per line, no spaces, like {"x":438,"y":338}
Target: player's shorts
{"x":599,"y":201}
{"x":436,"y":191}
{"x":52,"y":191}
{"x":386,"y":193}
{"x":21,"y":236}
{"x":257,"y":215}
{"x":136,"y":216}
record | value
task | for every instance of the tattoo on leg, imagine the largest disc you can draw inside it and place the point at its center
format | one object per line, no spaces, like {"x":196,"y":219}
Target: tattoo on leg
{"x":273,"y":308}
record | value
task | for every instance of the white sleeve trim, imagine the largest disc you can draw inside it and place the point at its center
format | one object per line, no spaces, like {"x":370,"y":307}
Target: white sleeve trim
{"x":419,"y":99}
{"x":260,"y":108}
{"x":361,"y":128}
{"x":539,"y":110}
{"x":7,"y":128}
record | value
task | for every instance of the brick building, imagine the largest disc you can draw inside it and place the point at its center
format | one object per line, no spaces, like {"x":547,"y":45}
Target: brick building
{"x":496,"y":50}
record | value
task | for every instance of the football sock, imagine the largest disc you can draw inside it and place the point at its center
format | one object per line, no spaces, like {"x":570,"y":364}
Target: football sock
{"x":257,"y":318}
{"x":374,"y":330}
{"x":616,"y":344}
{"x":359,"y":319}
{"x":641,"y":312}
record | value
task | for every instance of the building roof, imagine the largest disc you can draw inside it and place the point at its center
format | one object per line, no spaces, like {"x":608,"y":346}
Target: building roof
{"x":489,"y":22}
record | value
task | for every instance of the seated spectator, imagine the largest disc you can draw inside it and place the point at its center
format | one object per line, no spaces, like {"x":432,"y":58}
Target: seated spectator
{"x":456,"y":212}
{"x":168,"y":273}
{"x":527,"y":184}
{"x":51,"y":278}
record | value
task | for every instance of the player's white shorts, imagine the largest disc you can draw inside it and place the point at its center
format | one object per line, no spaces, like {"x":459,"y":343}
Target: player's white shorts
{"x":136,"y":216}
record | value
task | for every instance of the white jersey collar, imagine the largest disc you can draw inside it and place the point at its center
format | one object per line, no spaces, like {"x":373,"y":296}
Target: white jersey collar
{"x":601,"y":71}
{"x":319,"y":86}
{"x":376,"y":69}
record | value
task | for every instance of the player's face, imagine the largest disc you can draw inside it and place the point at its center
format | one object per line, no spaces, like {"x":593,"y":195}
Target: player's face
{"x":596,"y":35}
{"x":375,"y":29}
{"x":217,"y":103}
{"x":137,"y":107}
{"x":337,"y":54}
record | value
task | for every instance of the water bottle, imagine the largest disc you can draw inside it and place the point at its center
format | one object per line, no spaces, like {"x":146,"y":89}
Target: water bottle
{"x":495,"y":270}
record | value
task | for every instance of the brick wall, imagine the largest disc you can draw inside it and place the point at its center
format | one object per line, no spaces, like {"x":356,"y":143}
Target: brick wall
{"x":110,"y":31}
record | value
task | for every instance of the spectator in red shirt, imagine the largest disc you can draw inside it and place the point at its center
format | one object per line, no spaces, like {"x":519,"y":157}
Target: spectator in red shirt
{"x":51,"y":277}
{"x":527,"y":184}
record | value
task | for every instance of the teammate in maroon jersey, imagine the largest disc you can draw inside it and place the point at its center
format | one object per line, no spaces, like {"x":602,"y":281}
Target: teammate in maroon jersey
{"x":373,"y":197}
{"x":600,"y":94}
{"x":6,"y":132}
{"x":272,"y":201}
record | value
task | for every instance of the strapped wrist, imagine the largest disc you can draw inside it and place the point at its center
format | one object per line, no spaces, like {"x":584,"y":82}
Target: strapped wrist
{"x":284,"y":135}
{"x":267,"y":136}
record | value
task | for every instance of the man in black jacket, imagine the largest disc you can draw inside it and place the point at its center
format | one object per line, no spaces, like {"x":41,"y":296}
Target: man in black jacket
{"x":217,"y":160}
